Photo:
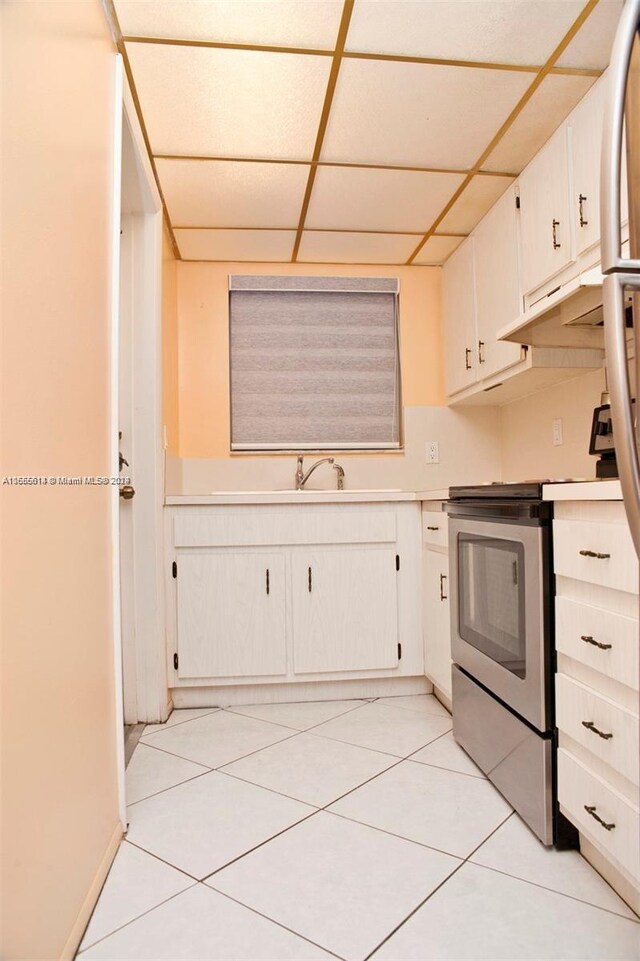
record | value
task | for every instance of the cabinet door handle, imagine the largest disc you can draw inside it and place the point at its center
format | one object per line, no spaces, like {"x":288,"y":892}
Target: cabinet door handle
{"x":480,"y":354}
{"x":581,"y":200}
{"x":467,"y":355}
{"x":597,"y":554}
{"x":309,"y":582}
{"x":267,"y":580}
{"x":431,"y":528}
{"x":443,"y":596}
{"x":588,"y":639}
{"x":554,"y":225}
{"x":590,"y":726}
{"x":591,"y":809}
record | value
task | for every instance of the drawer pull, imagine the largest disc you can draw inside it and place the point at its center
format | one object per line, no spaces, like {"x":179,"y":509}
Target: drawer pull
{"x":433,"y":528}
{"x":591,"y":809}
{"x":590,"y":726}
{"x":588,"y":639}
{"x":267,"y":579}
{"x":601,"y":557}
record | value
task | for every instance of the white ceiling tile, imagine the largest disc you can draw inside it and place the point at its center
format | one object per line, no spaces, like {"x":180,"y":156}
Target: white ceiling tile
{"x":354,"y":198}
{"x":591,"y":47}
{"x":201,"y":100}
{"x":209,"y":193}
{"x":286,"y":23}
{"x":256,"y":245}
{"x":437,"y":249}
{"x":554,"y":99}
{"x":497,"y":31}
{"x":473,"y":203}
{"x":355,"y":248}
{"x":418,"y":114}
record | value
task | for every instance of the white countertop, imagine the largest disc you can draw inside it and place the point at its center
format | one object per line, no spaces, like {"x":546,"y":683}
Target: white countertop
{"x":303,"y":497}
{"x":595,"y":490}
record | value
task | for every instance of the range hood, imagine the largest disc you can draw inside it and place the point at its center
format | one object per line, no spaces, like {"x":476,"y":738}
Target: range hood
{"x":570,"y":315}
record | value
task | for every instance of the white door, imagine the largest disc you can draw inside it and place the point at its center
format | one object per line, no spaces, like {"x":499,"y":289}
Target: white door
{"x":586,"y":139}
{"x":437,"y":628}
{"x":545,"y":214}
{"x":459,"y":318}
{"x":497,"y":273}
{"x":231,"y":614}
{"x":345,"y":610}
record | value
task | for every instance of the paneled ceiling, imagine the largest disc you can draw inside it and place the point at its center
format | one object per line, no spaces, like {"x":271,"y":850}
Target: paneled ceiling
{"x":349,"y":131}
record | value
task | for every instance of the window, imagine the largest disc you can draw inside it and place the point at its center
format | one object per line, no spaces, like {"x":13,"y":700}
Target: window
{"x":314,"y":363}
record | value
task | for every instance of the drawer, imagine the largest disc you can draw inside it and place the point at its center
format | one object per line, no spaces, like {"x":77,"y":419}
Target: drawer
{"x":596,"y":552}
{"x":604,"y":729}
{"x":579,"y":789}
{"x":435,"y":528}
{"x":602,"y":640}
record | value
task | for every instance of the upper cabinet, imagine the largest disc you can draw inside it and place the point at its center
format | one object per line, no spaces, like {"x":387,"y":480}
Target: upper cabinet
{"x":545,"y":213}
{"x":585,"y":137}
{"x":459,"y":310}
{"x":497,"y":275}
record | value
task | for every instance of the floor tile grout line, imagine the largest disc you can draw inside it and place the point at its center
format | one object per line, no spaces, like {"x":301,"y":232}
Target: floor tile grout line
{"x":164,"y":790}
{"x":167,"y":727}
{"x":271,"y":790}
{"x":261,"y":844}
{"x":562,"y":894}
{"x":272,"y":921}
{"x":437,"y":888}
{"x":138,"y":916}
{"x":449,"y":770}
{"x":162,"y":860}
{"x":229,"y":710}
{"x":181,"y":757}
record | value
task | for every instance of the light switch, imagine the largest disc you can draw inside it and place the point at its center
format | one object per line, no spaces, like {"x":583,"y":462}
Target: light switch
{"x":557,"y":432}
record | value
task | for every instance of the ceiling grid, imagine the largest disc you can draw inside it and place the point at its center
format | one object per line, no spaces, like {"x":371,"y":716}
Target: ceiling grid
{"x":344,"y":127}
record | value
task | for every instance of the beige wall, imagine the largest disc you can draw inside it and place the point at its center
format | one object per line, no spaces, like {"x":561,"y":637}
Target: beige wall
{"x":59,"y":800}
{"x":527,"y":424}
{"x":469,"y":441}
{"x":170,"y":402}
{"x":204,"y":342}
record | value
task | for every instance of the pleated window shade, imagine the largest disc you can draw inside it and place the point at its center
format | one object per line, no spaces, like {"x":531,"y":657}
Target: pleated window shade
{"x":314,"y":363}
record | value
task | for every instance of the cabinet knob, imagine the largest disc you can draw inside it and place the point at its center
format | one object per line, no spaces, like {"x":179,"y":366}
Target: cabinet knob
{"x":127,"y":492}
{"x":554,"y":225}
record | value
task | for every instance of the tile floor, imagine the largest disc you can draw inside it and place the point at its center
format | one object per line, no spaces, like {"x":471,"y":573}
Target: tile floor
{"x":338,"y":829}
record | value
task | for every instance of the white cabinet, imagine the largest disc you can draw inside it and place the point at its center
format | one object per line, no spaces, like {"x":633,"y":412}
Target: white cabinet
{"x":231,"y":614}
{"x":597,"y":685}
{"x":545,"y":213}
{"x":497,"y":278}
{"x":437,"y":628}
{"x":345,"y":610}
{"x":290,"y":593}
{"x":459,"y":313}
{"x":585,"y":125}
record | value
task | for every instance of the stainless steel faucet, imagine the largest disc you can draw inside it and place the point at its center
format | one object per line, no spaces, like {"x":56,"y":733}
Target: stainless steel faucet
{"x":302,"y":477}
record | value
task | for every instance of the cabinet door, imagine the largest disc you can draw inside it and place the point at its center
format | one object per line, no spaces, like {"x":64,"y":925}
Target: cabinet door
{"x":585,"y":124}
{"x":437,"y":629}
{"x":231,"y":614}
{"x":459,"y":315}
{"x":497,"y":275}
{"x":345,"y":610}
{"x":545,"y":214}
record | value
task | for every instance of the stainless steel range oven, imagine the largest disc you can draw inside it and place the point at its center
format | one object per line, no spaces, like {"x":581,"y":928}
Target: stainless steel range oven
{"x":502,"y":643}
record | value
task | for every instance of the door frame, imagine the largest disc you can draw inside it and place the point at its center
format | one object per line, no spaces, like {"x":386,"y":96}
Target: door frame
{"x":150,"y":680}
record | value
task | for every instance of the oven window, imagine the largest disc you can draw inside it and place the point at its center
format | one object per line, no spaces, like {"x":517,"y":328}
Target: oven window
{"x":491,"y":599}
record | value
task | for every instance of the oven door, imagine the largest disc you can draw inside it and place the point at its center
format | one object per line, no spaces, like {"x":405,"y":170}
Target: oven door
{"x":499,"y":629}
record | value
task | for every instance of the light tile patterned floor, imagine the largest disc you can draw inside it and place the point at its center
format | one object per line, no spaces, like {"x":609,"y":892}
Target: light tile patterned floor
{"x":341,"y":829}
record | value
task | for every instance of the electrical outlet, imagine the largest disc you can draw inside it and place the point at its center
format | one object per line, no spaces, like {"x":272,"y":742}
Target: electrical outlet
{"x":433,"y":452}
{"x":557,"y":432}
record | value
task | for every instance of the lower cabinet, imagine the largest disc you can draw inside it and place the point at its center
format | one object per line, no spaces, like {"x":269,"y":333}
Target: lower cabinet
{"x":345,"y":610}
{"x":437,"y":628}
{"x":282,"y":594}
{"x":231,"y":614}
